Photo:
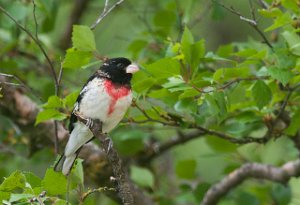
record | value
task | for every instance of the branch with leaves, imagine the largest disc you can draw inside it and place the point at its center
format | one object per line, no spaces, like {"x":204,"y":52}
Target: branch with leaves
{"x":251,"y":170}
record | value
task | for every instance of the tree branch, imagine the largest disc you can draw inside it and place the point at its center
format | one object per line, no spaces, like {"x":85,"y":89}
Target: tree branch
{"x":125,"y":187}
{"x":157,"y":150}
{"x":105,"y":11}
{"x":251,"y":22}
{"x":251,"y":170}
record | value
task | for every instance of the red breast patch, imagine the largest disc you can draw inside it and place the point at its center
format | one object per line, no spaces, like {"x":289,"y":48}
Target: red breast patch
{"x":115,"y":92}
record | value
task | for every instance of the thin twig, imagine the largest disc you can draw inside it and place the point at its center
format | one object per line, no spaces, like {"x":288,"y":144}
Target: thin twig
{"x":105,"y":11}
{"x":251,"y":22}
{"x":263,"y":4}
{"x":242,"y":140}
{"x":21,"y":83}
{"x":150,"y":119}
{"x":98,"y":190}
{"x":285,"y":102}
{"x":52,"y":70}
{"x":35,"y":20}
{"x":251,"y":170}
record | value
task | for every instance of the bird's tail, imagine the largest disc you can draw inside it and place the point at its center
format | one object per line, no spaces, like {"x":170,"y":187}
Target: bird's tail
{"x":65,"y":164}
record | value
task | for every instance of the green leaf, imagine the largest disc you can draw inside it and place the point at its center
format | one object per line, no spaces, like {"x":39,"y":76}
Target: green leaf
{"x":142,"y":82}
{"x":193,"y":52}
{"x":261,"y":93}
{"x":217,"y":104}
{"x":220,"y":145}
{"x":164,"y":68}
{"x":270,"y":13}
{"x":201,"y":190}
{"x":54,"y":182}
{"x":14,"y":181}
{"x":224,"y":74}
{"x":281,"y":21}
{"x":247,"y":199}
{"x":281,"y":194}
{"x":76,"y":58}
{"x":129,"y":142}
{"x":70,"y":99}
{"x":4,"y":195}
{"x":282,"y":75}
{"x":291,"y":4}
{"x":295,"y":124}
{"x":142,"y":176}
{"x":293,"y":41}
{"x":187,"y":40}
{"x":54,"y":102}
{"x":48,"y":114}
{"x":186,"y":169}
{"x":186,"y":105}
{"x":83,"y":38}
{"x":32,"y":179}
{"x":188,"y":94}
{"x":77,"y":173}
{"x":18,"y":197}
{"x":60,"y":202}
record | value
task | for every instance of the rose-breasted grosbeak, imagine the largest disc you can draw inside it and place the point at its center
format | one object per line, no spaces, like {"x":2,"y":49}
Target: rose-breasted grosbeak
{"x":106,"y":96}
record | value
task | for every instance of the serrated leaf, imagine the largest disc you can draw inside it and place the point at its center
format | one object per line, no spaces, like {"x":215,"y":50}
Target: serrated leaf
{"x":261,"y":93}
{"x":54,"y":182}
{"x":83,"y":38}
{"x":295,"y":124}
{"x":164,"y":68}
{"x":70,"y":99}
{"x":188,"y":94}
{"x":17,"y":197}
{"x":130,"y":142}
{"x":224,"y":74}
{"x":4,"y":195}
{"x":270,"y":13}
{"x":77,"y":173}
{"x":32,"y":179}
{"x":220,"y":145}
{"x":48,"y":114}
{"x":281,"y":194}
{"x":14,"y":181}
{"x":282,"y":20}
{"x":282,"y":75}
{"x":142,"y":176}
{"x":143,"y":85}
{"x":201,"y":190}
{"x":186,"y":169}
{"x":54,"y":102}
{"x":293,"y":41}
{"x":76,"y":58}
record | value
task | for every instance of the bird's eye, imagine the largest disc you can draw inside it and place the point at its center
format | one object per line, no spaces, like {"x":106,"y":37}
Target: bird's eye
{"x":119,"y":65}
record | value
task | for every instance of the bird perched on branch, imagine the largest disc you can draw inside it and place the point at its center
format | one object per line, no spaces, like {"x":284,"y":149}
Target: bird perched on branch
{"x":106,"y":96}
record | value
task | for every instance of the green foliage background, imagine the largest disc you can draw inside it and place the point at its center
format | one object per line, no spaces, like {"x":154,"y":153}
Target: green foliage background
{"x":202,"y":67}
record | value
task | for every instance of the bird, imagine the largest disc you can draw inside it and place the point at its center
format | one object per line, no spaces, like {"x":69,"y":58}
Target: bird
{"x":106,"y":97}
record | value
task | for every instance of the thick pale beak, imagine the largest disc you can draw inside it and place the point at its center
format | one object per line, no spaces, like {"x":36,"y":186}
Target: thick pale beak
{"x":132,"y":68}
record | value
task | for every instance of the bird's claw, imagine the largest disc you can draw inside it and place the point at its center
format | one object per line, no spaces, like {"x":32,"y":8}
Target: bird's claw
{"x":89,"y":123}
{"x":110,"y":144}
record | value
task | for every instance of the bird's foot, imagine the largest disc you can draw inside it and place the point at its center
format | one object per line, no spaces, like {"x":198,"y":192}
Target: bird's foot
{"x":89,"y":122}
{"x":110,"y":144}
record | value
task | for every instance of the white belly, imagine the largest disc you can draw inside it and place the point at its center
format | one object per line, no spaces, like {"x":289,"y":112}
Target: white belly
{"x":96,"y":102}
